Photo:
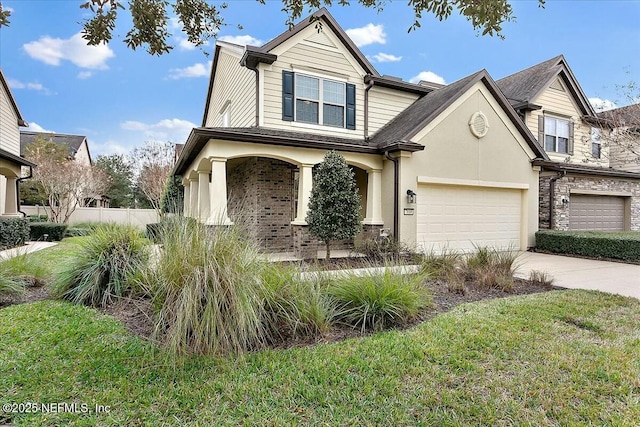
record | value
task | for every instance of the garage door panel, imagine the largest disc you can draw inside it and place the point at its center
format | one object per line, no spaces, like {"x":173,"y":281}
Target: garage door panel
{"x":457,"y":217}
{"x":590,"y":212}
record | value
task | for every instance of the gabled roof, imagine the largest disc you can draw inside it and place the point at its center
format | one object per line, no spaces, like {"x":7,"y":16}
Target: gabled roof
{"x":422,"y":112}
{"x":525,"y":86}
{"x":623,"y":116}
{"x":333,"y":24}
{"x":73,"y":142}
{"x":7,"y":89}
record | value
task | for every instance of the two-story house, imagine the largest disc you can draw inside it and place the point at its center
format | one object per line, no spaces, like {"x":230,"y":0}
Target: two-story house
{"x":622,"y":135}
{"x":436,"y":166}
{"x":10,"y":161}
{"x":579,"y":188}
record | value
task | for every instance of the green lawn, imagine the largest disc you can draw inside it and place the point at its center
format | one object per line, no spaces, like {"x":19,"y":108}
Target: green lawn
{"x":558,"y":358}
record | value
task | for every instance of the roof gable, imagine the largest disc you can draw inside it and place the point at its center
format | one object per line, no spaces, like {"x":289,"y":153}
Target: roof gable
{"x":526,"y":86}
{"x":73,"y":142}
{"x":418,"y":115}
{"x":7,"y":89}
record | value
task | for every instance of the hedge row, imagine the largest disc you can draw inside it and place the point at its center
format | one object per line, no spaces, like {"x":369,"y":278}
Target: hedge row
{"x":53,"y":231}
{"x":623,"y":245}
{"x":13,"y":232}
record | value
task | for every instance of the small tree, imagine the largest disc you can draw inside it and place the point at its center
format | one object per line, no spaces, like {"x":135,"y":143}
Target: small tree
{"x":334,"y":207}
{"x":119,"y":170}
{"x":173,"y":196}
{"x":153,"y":163}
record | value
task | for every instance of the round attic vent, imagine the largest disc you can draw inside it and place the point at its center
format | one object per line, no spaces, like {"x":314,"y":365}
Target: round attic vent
{"x":478,"y":124}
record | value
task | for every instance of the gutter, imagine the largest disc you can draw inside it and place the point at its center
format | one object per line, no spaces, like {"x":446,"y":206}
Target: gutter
{"x":396,"y":179}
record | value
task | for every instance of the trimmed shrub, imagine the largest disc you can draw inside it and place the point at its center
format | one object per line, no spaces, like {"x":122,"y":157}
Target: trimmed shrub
{"x":207,"y":289}
{"x":37,"y":218}
{"x":54,"y":231}
{"x":597,"y":244}
{"x":376,"y":301}
{"x":101,"y":266}
{"x":13,"y":232}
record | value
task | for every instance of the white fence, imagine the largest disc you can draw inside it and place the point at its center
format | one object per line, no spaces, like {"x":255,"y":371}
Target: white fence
{"x":136,"y":217}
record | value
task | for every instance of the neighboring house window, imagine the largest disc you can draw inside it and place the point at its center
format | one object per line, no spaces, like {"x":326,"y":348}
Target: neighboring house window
{"x":309,"y":99}
{"x":596,"y":142}
{"x":557,"y":134}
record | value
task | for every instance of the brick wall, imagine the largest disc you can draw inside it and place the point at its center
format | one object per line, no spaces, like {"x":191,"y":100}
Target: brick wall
{"x":567,"y":183}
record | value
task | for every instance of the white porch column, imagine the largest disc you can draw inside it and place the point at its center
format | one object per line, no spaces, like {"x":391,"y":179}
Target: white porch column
{"x":11,"y":199}
{"x":218,"y":214}
{"x":193,"y":209}
{"x":186,"y":205}
{"x":374,"y":198}
{"x":203,"y":196}
{"x":305,"y":183}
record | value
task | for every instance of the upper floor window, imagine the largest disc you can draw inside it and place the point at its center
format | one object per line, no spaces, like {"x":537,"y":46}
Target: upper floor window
{"x":596,"y":143}
{"x":556,"y":135}
{"x":315,"y":100}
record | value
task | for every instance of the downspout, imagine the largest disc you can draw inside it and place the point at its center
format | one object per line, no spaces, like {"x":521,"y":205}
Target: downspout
{"x":552,"y":195}
{"x":366,"y":106}
{"x":396,"y":179}
{"x":255,"y":69}
{"x":18,"y":181}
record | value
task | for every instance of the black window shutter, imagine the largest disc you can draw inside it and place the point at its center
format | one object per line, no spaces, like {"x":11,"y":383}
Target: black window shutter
{"x":287,"y":95}
{"x":541,"y":131}
{"x":570,"y":139}
{"x":351,"y":106}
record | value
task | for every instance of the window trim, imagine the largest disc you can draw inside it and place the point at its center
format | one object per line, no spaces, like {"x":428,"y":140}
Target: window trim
{"x":555,"y":136}
{"x":320,"y":101}
{"x":596,"y":141}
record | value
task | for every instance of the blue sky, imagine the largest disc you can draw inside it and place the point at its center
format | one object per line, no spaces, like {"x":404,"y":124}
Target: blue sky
{"x":120,"y":98}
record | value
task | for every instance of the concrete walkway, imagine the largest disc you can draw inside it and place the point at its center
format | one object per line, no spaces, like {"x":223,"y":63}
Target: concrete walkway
{"x":26,"y":249}
{"x":580,"y":273}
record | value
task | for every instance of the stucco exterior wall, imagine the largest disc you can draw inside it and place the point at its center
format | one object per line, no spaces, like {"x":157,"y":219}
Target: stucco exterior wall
{"x":452,"y":152}
{"x":316,"y":54}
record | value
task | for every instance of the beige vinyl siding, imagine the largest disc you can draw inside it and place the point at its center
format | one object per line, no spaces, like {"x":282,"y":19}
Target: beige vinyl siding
{"x":9,"y":130}
{"x":320,"y":38}
{"x":556,"y":103}
{"x":236,"y":85}
{"x":317,"y":58}
{"x":385,"y":104}
{"x":622,"y":155}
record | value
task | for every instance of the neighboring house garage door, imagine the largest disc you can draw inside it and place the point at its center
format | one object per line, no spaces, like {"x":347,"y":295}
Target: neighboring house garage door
{"x":587,"y":212}
{"x":457,"y":217}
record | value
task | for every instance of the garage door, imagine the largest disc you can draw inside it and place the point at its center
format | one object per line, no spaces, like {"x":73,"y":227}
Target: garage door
{"x":587,"y":212}
{"x":457,"y":217}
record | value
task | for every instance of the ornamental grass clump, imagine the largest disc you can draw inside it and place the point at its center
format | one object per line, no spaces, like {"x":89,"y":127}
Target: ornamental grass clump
{"x":207,"y":290}
{"x":11,"y":284}
{"x":100,"y":267}
{"x":375,"y":301}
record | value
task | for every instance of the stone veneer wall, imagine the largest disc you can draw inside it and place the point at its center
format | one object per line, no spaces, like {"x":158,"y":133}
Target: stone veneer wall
{"x":260,"y":196}
{"x":567,"y":183}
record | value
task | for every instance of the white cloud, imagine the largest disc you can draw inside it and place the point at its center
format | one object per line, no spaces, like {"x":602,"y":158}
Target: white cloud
{"x":53,"y":51}
{"x":386,"y":57}
{"x":85,"y":74}
{"x":176,"y":130}
{"x":8,"y":9}
{"x":602,"y":104}
{"x":428,"y":76}
{"x":196,"y":70}
{"x":369,"y":34}
{"x":108,"y":147}
{"x":34,"y":127}
{"x":242,"y":40}
{"x":185,"y":44}
{"x":17,"y":84}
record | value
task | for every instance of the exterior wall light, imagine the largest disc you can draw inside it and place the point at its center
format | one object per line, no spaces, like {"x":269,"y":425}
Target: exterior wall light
{"x":411,"y":196}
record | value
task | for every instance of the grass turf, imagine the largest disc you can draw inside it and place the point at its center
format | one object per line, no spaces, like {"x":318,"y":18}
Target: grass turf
{"x":558,"y":358}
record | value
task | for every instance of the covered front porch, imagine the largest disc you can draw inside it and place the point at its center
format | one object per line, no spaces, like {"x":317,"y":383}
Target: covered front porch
{"x":10,"y":174}
{"x":266,"y":189}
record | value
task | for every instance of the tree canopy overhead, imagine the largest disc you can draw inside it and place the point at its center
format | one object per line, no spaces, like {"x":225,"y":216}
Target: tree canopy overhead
{"x":202,"y":19}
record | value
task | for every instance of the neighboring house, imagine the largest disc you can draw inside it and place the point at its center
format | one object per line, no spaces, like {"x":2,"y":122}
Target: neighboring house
{"x":10,"y":161}
{"x":78,"y":147}
{"x":579,"y":188}
{"x":272,"y":112}
{"x":622,"y":134}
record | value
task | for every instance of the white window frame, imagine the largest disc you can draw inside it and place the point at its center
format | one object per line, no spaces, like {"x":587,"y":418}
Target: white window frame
{"x":555,"y":136}
{"x":596,"y":140}
{"x":320,"y":101}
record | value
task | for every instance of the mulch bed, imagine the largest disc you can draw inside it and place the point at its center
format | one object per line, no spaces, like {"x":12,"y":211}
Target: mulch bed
{"x":137,"y":315}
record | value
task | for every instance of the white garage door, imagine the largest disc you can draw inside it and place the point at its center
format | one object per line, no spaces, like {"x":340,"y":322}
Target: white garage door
{"x":588,"y":212}
{"x":457,"y":217}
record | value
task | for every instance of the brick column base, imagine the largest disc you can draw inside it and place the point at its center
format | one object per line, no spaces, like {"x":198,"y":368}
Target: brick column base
{"x":305,"y":245}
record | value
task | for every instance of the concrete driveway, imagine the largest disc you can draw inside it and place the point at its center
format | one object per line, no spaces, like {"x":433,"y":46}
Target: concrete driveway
{"x":579,"y":273}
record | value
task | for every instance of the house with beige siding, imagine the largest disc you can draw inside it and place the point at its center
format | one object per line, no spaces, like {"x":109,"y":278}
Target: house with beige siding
{"x":622,"y":134}
{"x":582,"y":183}
{"x":436,"y":166}
{"x":10,"y":161}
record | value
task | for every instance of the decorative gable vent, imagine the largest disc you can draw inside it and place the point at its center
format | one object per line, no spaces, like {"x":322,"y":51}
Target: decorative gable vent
{"x":478,"y":124}
{"x":557,"y":85}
